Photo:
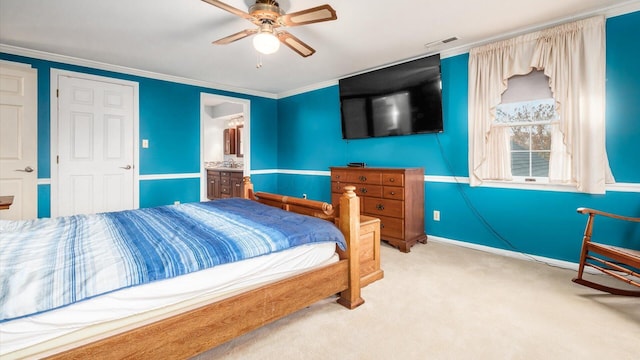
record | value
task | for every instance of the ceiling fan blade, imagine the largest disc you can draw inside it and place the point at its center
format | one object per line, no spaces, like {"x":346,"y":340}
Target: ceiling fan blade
{"x":309,"y":16}
{"x":229,"y":8}
{"x":235,"y":37}
{"x":295,"y":44}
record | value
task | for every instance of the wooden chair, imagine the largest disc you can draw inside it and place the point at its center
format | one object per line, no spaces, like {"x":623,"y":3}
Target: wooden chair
{"x":611,"y":260}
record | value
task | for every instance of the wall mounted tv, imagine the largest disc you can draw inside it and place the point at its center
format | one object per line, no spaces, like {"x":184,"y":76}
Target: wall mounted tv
{"x":401,"y":99}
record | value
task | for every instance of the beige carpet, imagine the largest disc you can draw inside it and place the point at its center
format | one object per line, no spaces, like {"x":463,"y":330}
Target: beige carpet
{"x":443,"y":301}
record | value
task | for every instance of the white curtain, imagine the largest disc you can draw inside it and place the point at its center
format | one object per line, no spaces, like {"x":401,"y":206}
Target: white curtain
{"x":572,"y":56}
{"x":498,"y":154}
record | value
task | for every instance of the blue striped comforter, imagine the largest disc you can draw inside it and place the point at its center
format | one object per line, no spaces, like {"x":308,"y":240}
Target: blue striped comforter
{"x":50,"y":263}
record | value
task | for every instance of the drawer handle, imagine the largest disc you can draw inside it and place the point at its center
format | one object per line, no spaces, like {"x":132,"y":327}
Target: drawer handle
{"x":363,"y":178}
{"x":380,"y":207}
{"x":337,"y":176}
{"x":393,"y":193}
{"x":381,"y":225}
{"x":237,"y":185}
{"x":363,"y":190}
{"x":392,"y":180}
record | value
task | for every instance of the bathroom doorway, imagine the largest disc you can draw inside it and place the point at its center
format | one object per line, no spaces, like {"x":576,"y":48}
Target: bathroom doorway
{"x":221,"y":116}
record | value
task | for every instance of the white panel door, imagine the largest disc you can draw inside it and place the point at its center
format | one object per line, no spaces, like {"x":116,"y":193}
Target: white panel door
{"x":95,"y":146}
{"x":19,"y":140}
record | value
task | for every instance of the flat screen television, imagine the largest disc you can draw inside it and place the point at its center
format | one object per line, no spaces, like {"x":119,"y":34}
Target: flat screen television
{"x":401,"y":99}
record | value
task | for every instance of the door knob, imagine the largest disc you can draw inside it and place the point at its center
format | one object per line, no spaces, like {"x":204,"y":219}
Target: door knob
{"x":128,"y":167}
{"x":27,"y":169}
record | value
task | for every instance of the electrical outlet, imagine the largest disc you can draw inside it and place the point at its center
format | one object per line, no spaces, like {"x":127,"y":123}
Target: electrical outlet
{"x":436,"y":215}
{"x":304,"y":196}
{"x":177,"y":202}
{"x":145,"y":143}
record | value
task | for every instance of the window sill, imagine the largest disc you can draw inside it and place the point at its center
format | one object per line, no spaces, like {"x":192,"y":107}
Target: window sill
{"x":521,"y":185}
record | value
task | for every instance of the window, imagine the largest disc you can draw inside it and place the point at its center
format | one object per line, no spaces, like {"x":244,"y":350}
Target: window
{"x":530,"y":129}
{"x":569,"y":147}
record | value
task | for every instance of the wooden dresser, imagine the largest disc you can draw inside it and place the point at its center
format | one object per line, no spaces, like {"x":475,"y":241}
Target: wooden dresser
{"x":394,"y":195}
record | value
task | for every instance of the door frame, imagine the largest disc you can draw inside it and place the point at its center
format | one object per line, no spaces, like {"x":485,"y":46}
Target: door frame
{"x":208,"y":99}
{"x":54,"y":199}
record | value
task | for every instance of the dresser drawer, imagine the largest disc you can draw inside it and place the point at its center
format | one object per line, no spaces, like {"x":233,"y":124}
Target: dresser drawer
{"x":391,"y":227}
{"x":392,"y":192}
{"x":361,"y":189}
{"x":364,"y":177}
{"x":225,"y":190}
{"x":368,"y":190}
{"x":395,"y":179}
{"x":338,"y":175}
{"x":383,"y":207}
{"x":338,"y":186}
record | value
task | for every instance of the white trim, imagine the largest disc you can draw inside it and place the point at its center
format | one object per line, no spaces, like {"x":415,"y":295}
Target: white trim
{"x":304,"y":172}
{"x":42,"y":55}
{"x":617,"y":187}
{"x":623,"y":187}
{"x":170,"y":176}
{"x":447,"y":179}
{"x":20,"y":65}
{"x":55,"y":73}
{"x":263,"y":172}
{"x":513,"y":254}
{"x":610,"y":11}
{"x":308,"y":88}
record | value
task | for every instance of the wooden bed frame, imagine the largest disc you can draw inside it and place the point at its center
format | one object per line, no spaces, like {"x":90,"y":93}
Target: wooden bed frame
{"x":195,"y":331}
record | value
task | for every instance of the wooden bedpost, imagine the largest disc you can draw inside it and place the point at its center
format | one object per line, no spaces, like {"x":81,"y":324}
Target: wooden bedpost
{"x":247,"y":188}
{"x":349,"y":224}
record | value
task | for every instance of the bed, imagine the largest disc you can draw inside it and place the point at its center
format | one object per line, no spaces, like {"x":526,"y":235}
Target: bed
{"x":197,"y":324}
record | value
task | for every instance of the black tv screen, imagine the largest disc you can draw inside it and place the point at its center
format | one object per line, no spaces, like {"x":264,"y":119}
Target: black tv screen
{"x":402,"y":99}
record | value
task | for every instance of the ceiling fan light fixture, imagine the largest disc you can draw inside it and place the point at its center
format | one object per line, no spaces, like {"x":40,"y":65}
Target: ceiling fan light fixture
{"x":266,"y":42}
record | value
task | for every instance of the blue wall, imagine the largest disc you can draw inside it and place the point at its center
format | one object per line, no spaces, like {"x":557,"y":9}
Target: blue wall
{"x":301,"y":136}
{"x":170,"y":119}
{"x":543,"y":223}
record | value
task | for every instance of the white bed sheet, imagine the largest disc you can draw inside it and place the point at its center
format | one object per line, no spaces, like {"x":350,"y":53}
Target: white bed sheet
{"x":88,"y":320}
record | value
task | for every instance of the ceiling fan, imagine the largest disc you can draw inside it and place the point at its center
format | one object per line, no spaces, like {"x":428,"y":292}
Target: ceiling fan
{"x":268,"y":16}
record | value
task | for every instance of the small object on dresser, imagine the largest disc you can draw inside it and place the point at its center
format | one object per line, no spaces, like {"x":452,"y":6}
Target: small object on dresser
{"x":356,"y":164}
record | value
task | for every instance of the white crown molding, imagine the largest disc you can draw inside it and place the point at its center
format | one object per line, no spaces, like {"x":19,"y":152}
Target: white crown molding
{"x":42,"y":55}
{"x":610,"y":11}
{"x":302,"y":90}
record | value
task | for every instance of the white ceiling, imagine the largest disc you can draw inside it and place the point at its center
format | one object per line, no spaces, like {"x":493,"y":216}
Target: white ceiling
{"x":173,"y":37}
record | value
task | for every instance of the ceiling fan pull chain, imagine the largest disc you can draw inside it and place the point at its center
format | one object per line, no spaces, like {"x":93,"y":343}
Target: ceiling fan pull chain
{"x":259,"y":61}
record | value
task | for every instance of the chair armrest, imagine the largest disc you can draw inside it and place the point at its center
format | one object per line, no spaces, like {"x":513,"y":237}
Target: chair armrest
{"x":598,"y":212}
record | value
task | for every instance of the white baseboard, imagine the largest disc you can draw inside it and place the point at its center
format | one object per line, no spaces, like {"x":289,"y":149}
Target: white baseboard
{"x":509,"y":253}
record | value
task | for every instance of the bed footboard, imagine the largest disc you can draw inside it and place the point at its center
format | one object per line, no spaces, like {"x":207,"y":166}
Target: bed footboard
{"x":349,"y":224}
